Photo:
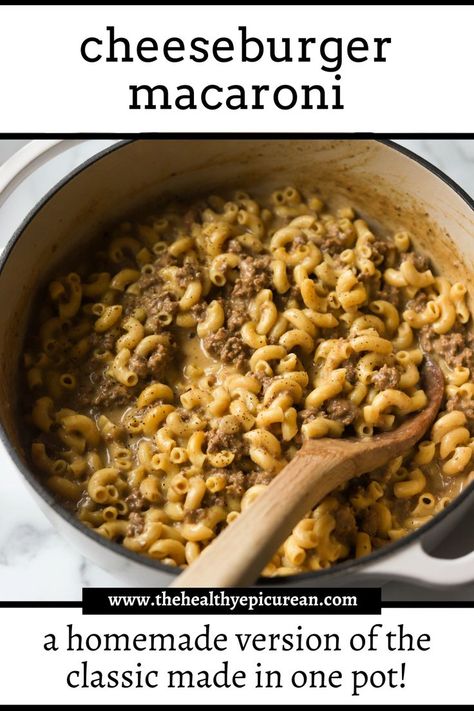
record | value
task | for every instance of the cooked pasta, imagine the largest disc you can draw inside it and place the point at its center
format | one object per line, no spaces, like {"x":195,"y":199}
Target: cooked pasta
{"x":170,"y":383}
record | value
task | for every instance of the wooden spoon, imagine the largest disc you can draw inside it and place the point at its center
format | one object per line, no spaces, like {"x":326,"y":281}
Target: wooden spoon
{"x":241,"y":551}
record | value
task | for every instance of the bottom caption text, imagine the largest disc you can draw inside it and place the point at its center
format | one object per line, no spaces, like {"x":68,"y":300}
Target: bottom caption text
{"x":397,"y":656}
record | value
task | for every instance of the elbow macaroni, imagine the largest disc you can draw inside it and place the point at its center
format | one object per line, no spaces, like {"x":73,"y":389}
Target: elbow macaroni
{"x":169,"y":386}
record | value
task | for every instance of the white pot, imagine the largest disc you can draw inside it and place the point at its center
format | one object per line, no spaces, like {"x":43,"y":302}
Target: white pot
{"x":380,"y":179}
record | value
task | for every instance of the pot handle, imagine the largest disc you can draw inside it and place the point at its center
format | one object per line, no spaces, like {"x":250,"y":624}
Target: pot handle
{"x":415,"y":565}
{"x":25,"y":161}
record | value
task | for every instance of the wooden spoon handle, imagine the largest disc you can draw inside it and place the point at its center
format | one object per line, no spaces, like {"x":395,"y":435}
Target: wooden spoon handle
{"x":241,"y":551}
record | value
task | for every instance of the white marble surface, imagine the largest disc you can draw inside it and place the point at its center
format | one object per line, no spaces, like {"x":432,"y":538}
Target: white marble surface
{"x":35,"y":562}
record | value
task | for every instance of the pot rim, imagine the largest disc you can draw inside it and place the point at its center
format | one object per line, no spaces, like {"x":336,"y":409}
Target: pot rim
{"x":334,"y":571}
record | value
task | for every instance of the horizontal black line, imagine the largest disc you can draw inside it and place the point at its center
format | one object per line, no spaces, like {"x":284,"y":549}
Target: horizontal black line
{"x":40,"y":603}
{"x":419,"y":604}
{"x":194,"y":4}
{"x":427,"y":604}
{"x":245,"y":706}
{"x":234,"y":135}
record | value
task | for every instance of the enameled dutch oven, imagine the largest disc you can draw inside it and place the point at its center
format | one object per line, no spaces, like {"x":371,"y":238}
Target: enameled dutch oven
{"x":383,"y":181}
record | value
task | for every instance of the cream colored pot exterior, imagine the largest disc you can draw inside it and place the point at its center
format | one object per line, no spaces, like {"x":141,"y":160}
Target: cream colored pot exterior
{"x":379,"y":179}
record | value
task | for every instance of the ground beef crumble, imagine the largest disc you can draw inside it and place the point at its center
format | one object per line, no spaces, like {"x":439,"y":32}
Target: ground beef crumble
{"x":236,"y":310}
{"x":418,"y":304}
{"x":341,"y":410}
{"x":455,"y":348}
{"x":161,"y":357}
{"x":157,"y":302}
{"x":420,"y":262}
{"x":156,"y":363}
{"x":236,"y":484}
{"x":383,"y":252}
{"x":265,"y":380}
{"x":464,"y":404}
{"x":351,"y":371}
{"x":254,"y":276}
{"x":187,"y":273}
{"x":333,"y":245}
{"x":135,"y":500}
{"x":218,"y":440}
{"x":308,"y":414}
{"x":255,"y":478}
{"x":228,"y":347}
{"x":388,"y":293}
{"x":97,"y":389}
{"x":199,"y":310}
{"x":136,"y":524}
{"x":105,"y":341}
{"x":387,"y":377}
{"x":138,"y":364}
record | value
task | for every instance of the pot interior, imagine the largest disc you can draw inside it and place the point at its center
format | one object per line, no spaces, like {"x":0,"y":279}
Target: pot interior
{"x":388,"y":188}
